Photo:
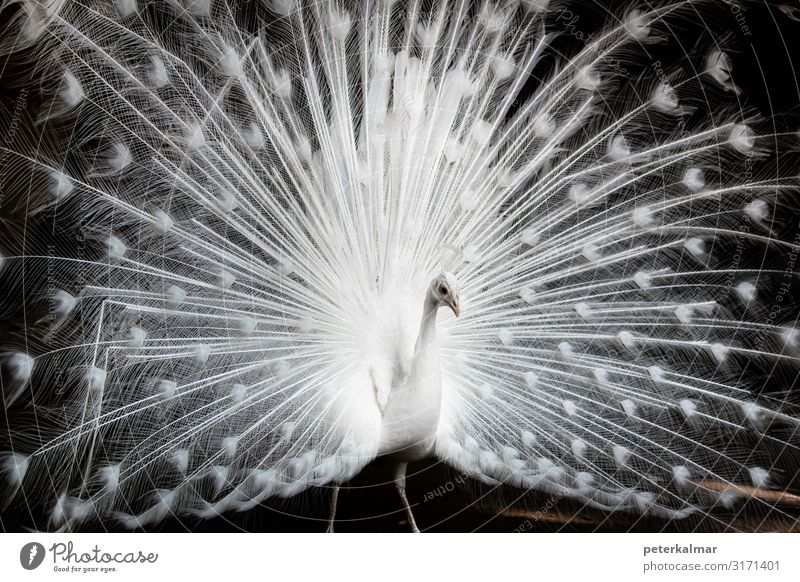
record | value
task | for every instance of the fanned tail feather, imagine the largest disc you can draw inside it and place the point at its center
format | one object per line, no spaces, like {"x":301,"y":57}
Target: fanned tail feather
{"x":223,"y":200}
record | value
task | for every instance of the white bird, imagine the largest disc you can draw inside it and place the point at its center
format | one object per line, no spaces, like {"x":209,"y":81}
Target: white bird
{"x":240,"y":221}
{"x":409,"y":391}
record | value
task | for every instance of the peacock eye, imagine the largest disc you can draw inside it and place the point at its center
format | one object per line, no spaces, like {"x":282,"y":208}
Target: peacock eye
{"x":443,"y":290}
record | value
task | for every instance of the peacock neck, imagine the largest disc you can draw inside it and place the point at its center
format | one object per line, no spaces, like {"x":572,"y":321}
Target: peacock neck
{"x":410,"y":416}
{"x":427,"y":328}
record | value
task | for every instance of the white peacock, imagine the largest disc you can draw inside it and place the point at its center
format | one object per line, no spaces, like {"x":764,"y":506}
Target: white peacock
{"x":253,"y":213}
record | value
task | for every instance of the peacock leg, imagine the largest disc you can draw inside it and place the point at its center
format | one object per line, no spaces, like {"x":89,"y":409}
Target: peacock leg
{"x":334,"y":498}
{"x":400,"y":482}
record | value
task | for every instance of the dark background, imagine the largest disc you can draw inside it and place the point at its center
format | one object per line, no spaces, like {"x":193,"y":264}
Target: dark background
{"x":443,"y":500}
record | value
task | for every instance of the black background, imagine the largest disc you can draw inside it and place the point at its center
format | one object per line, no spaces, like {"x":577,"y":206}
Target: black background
{"x":442,"y":500}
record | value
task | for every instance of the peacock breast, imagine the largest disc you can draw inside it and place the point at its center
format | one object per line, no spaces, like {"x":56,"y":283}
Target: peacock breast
{"x":411,"y":416}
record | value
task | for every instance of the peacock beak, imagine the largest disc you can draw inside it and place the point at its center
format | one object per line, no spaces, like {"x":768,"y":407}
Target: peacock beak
{"x":454,"y":306}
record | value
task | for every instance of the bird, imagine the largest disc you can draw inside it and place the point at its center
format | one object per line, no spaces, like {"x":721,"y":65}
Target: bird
{"x":252,"y":247}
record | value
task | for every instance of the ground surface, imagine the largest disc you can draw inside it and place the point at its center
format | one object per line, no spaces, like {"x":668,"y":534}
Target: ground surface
{"x":444,"y":501}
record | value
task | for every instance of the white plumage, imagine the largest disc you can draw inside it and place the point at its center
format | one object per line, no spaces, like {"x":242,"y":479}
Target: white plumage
{"x":255,"y":213}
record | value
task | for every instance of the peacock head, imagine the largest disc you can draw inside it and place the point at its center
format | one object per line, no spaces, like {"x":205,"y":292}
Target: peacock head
{"x":446,"y":290}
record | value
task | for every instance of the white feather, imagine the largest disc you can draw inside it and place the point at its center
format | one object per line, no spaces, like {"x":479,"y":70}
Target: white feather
{"x":760,"y":477}
{"x":125,"y":8}
{"x":136,"y":337}
{"x":284,"y":221}
{"x":96,"y":379}
{"x":15,"y":467}
{"x":746,"y":291}
{"x":116,"y":248}
{"x":62,"y":186}
{"x":629,"y":406}
{"x":21,"y":366}
{"x":63,"y":303}
{"x":694,"y":179}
